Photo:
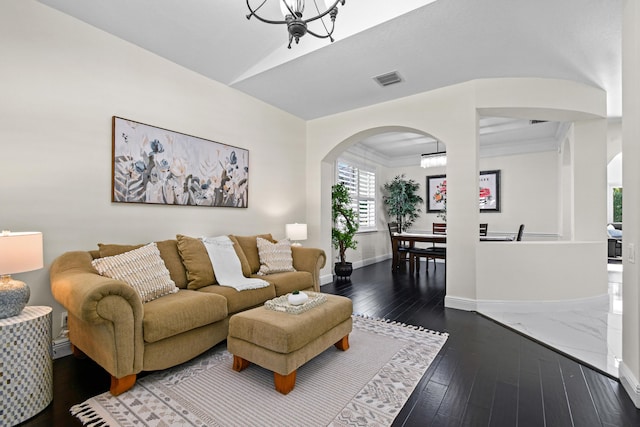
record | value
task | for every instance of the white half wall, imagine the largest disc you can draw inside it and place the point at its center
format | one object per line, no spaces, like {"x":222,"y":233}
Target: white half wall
{"x":540,"y":271}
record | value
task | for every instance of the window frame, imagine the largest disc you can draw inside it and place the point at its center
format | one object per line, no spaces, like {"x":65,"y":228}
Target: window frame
{"x":371,"y":212}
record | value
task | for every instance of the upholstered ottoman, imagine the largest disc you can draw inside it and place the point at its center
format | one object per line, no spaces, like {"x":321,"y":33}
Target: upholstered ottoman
{"x":282,"y":342}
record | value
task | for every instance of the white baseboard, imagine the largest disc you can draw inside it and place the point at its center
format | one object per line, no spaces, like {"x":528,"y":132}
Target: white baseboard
{"x":326,"y":279}
{"x":630,"y":383}
{"x":597,"y":303}
{"x":488,"y":306}
{"x":458,"y":303}
{"x":61,"y":347}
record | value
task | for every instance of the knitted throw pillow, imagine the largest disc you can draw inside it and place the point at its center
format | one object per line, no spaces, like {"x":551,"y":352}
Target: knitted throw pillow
{"x":143,"y":269}
{"x":274,"y":257}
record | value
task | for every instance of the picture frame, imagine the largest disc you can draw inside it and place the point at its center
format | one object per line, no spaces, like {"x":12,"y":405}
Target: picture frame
{"x":153,"y":165}
{"x":488,"y":197}
{"x":436,"y":193}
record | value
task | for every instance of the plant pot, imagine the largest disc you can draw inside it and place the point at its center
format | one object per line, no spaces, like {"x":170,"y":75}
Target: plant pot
{"x":343,"y":269}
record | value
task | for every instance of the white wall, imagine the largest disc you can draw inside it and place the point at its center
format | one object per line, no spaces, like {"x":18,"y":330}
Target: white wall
{"x":630,"y":365}
{"x":63,"y":80}
{"x":528,"y":182}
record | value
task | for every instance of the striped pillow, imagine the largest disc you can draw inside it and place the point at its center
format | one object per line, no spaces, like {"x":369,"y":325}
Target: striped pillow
{"x":143,"y":269}
{"x":274,"y":257}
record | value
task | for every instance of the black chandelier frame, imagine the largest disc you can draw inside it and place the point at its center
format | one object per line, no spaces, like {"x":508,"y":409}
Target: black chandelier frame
{"x":297,"y":26}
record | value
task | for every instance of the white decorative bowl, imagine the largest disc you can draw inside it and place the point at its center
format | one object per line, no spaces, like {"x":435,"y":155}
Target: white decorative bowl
{"x":297,"y":299}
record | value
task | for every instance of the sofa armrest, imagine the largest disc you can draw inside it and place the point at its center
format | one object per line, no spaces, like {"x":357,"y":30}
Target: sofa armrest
{"x":311,"y":260}
{"x":105,"y":315}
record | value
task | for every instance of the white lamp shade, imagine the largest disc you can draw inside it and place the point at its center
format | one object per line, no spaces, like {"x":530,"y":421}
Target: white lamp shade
{"x":20,"y":252}
{"x":296,"y":231}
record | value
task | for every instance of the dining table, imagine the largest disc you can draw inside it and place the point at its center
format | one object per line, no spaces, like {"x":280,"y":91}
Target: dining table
{"x":411,"y":238}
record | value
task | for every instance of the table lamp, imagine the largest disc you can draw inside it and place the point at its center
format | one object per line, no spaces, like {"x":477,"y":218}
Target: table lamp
{"x":296,"y":232}
{"x":19,"y":252}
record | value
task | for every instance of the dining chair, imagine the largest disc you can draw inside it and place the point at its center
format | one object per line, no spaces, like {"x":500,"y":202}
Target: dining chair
{"x":520,"y":233}
{"x":439,"y":228}
{"x":434,"y":252}
{"x":403,"y":246}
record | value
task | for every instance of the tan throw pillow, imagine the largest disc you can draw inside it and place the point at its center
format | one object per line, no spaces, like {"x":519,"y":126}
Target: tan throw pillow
{"x":247,"y":245}
{"x":196,"y":261}
{"x":274,"y":257}
{"x":168,"y":251}
{"x":143,"y":269}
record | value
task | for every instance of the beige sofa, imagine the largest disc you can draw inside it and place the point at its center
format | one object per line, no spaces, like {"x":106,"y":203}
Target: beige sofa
{"x":109,"y":323}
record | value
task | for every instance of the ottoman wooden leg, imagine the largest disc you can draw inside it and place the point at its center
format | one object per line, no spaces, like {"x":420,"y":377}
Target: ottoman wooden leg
{"x":284,"y":383}
{"x":120,"y":385}
{"x":343,"y":344}
{"x":239,"y":363}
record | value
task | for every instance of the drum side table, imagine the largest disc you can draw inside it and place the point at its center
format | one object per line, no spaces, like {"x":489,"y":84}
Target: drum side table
{"x":26,"y":367}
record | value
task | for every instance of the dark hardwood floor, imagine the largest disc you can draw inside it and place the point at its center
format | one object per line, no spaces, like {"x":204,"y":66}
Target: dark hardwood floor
{"x":485,"y":375}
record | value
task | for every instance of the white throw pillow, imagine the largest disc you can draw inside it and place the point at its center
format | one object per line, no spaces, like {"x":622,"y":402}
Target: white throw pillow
{"x":274,"y":257}
{"x":143,"y":269}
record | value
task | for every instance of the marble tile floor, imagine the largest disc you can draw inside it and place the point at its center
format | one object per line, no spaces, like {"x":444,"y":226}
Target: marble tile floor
{"x":592,"y":335}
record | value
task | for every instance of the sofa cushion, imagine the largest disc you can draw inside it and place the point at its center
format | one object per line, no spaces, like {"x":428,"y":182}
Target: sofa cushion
{"x":143,"y":269}
{"x":274,"y":257}
{"x":289,"y":282}
{"x":181,"y":312}
{"x":196,"y":261}
{"x":168,"y":251}
{"x":241,"y":300}
{"x":246,"y":268}
{"x":249,"y":248}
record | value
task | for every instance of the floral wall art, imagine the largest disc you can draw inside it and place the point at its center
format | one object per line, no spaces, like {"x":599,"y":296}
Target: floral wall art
{"x":488,"y":198}
{"x":158,"y":166}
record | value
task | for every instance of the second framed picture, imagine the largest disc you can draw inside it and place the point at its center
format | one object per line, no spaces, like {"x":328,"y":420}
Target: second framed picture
{"x":488,"y":192}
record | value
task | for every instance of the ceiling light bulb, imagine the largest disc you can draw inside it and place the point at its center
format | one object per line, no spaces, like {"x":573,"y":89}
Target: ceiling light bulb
{"x":297,"y":6}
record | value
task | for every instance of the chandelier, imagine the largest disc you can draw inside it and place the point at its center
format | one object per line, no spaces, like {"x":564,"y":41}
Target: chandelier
{"x":292,"y":11}
{"x":432,"y":160}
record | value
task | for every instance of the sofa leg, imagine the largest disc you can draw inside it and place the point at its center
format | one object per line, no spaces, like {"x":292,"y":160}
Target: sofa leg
{"x":77,"y":353}
{"x":240,"y":364}
{"x":343,"y":344}
{"x":120,"y":385}
{"x":284,"y":383}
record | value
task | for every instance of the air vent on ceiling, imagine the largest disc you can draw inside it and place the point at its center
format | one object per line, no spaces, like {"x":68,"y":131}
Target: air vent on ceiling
{"x":388,"y":78}
{"x":533,"y":122}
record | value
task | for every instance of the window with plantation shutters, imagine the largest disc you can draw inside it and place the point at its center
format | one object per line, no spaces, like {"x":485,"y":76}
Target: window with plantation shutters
{"x":362,"y":188}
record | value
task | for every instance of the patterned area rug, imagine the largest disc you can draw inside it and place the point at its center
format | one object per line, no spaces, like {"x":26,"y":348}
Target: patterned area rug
{"x":365,"y":385}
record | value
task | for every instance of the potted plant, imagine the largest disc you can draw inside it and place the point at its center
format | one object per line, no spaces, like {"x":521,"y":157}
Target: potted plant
{"x":402,"y":201}
{"x":345,"y":227}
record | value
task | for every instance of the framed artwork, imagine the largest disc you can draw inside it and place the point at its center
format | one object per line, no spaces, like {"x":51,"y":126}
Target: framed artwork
{"x":436,"y":193}
{"x":153,"y":165}
{"x":489,"y":192}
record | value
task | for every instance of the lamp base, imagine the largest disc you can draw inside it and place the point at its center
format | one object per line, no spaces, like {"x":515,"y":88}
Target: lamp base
{"x":14,"y":296}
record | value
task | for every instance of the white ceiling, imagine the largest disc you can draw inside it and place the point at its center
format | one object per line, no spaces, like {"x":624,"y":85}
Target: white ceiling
{"x":430,"y":44}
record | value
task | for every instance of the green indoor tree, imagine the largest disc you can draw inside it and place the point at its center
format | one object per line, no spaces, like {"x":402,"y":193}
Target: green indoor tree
{"x":402,"y":201}
{"x":345,"y":221}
